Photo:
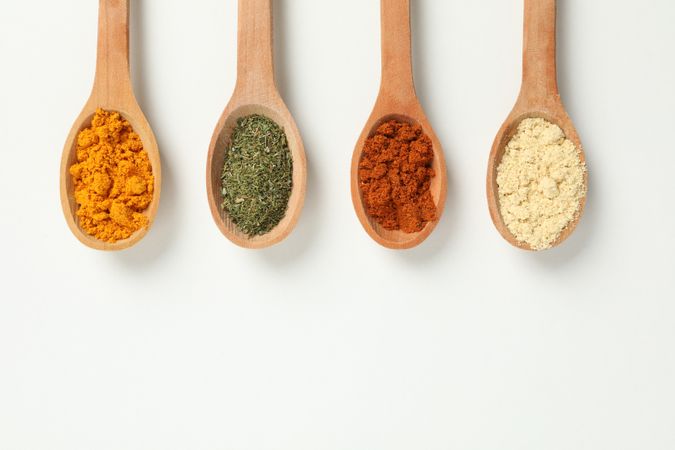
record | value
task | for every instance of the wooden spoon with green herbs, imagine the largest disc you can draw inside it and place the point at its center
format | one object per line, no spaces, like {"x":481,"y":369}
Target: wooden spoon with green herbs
{"x":255,"y":94}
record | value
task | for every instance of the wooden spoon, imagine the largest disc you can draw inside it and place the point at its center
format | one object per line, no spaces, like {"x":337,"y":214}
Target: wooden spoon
{"x":112,"y":91}
{"x":538,"y":97}
{"x":255,"y":92}
{"x":397,"y":100}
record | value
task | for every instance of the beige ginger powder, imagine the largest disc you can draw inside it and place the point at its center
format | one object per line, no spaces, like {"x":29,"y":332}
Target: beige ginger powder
{"x":540,"y":183}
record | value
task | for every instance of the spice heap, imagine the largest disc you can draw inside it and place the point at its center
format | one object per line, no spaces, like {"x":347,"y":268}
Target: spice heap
{"x":394,"y":176}
{"x":112,"y":178}
{"x":257,"y":176}
{"x":541,"y":181}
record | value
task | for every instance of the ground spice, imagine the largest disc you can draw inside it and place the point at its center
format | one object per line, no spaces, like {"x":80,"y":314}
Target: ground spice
{"x":112,"y":177}
{"x":257,"y":177}
{"x":540,"y":183}
{"x":395,"y":175}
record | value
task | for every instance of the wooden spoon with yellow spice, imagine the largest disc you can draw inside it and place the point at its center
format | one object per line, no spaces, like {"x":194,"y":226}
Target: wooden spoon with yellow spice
{"x":118,"y":188}
{"x":538,"y":221}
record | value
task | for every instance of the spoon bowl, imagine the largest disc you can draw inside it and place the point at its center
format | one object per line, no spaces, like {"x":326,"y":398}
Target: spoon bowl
{"x":216,"y":159}
{"x":112,"y":91}
{"x":397,"y":100}
{"x":539,"y":98}
{"x":397,"y":239}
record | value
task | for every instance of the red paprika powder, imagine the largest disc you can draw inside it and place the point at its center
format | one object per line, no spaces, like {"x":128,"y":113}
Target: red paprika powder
{"x":395,"y":175}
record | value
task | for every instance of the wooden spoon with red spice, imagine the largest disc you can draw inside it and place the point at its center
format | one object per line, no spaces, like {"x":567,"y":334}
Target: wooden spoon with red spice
{"x":112,"y":91}
{"x":397,"y":100}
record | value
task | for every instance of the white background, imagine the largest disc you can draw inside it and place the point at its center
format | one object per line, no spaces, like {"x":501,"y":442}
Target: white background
{"x":329,"y":341}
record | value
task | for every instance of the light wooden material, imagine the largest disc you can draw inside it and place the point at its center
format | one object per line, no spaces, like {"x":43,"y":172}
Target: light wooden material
{"x":397,"y":100}
{"x":112,"y":91}
{"x":255,"y":92}
{"x":538,"y":97}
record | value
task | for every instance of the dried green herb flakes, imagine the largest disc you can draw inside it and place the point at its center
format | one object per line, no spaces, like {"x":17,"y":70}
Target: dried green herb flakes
{"x":257,"y":175}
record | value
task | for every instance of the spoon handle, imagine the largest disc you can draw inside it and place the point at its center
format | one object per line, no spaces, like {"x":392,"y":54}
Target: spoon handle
{"x":397,"y":74}
{"x":540,"y":81}
{"x":255,"y":61}
{"x":112,"y":80}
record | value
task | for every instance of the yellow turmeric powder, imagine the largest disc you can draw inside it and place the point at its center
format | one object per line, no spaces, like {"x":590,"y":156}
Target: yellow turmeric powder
{"x":112,"y":177}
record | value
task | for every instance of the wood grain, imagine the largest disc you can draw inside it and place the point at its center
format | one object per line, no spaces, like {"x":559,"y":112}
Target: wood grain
{"x":397,"y":100}
{"x":112,"y":91}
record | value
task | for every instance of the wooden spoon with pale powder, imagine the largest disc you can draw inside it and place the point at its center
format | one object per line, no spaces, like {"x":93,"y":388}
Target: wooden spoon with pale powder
{"x":539,"y":98}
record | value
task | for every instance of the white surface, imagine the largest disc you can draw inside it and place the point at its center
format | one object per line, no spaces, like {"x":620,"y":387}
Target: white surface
{"x":329,"y":341}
